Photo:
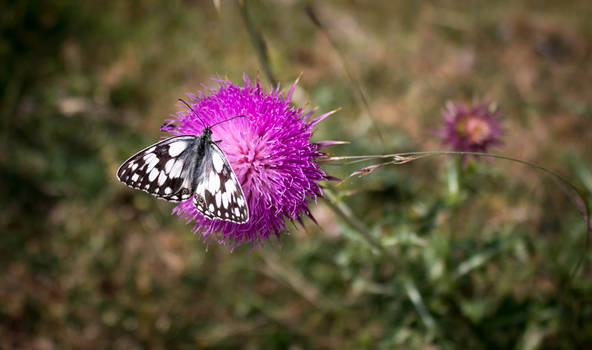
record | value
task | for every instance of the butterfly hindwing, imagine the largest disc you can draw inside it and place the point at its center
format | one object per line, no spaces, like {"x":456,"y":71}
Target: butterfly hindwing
{"x":164,"y":170}
{"x":218,"y":193}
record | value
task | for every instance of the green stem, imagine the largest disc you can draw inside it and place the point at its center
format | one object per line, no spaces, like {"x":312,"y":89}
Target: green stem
{"x":410,"y":288}
{"x":257,"y":40}
{"x":346,"y":215}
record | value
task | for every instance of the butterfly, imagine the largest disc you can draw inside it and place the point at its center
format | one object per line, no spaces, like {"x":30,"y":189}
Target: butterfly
{"x":186,"y":166}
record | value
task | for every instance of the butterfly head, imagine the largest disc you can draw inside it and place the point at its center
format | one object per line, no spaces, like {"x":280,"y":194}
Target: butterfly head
{"x":207,"y":133}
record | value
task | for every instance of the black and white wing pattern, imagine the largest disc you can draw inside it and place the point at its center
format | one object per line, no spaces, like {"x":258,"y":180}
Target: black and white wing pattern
{"x":218,"y":193}
{"x":183,"y":166}
{"x":164,"y":170}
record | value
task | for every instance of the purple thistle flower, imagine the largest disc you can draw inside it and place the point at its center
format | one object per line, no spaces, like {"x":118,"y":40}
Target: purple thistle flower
{"x":269,"y":150}
{"x":471,"y":129}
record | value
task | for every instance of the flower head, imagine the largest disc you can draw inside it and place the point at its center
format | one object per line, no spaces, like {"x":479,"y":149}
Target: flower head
{"x":269,"y":150}
{"x":471,"y":128}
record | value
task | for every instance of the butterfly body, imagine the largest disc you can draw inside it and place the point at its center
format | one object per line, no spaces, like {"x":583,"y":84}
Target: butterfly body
{"x":186,"y":166}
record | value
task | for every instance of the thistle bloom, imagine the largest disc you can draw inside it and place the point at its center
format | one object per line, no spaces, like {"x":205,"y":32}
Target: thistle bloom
{"x":269,"y":150}
{"x":471,"y":129}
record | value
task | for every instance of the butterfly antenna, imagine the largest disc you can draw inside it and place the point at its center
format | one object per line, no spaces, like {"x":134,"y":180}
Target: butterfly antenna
{"x":194,"y":112}
{"x":229,"y":119}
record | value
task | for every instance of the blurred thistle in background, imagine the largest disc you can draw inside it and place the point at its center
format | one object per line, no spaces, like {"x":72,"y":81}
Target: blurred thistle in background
{"x":471,"y":128}
{"x":269,"y":150}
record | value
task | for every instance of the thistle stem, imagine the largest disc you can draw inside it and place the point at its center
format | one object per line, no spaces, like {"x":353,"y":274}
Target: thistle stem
{"x":346,"y":215}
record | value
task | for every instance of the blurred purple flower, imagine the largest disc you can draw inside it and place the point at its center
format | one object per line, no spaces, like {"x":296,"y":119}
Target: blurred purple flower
{"x":269,"y":150}
{"x":471,"y":128}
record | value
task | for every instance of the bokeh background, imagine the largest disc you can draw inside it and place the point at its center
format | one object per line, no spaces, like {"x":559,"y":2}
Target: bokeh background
{"x":477,"y":256}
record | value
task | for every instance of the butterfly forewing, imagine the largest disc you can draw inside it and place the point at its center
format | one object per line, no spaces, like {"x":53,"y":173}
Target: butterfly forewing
{"x":218,"y":194}
{"x":164,"y":169}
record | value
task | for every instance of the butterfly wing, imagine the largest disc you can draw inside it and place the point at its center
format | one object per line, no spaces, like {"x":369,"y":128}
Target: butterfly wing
{"x":218,"y":193}
{"x":164,"y":170}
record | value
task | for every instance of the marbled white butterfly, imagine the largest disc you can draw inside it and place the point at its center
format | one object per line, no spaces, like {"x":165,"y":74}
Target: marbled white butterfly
{"x":183,"y":166}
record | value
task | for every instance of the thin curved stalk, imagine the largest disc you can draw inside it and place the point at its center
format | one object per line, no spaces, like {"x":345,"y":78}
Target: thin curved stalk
{"x":579,"y":200}
{"x":356,"y":85}
{"x":258,"y":42}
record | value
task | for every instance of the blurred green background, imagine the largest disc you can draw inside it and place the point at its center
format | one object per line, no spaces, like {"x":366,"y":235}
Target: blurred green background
{"x":475,"y":257}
